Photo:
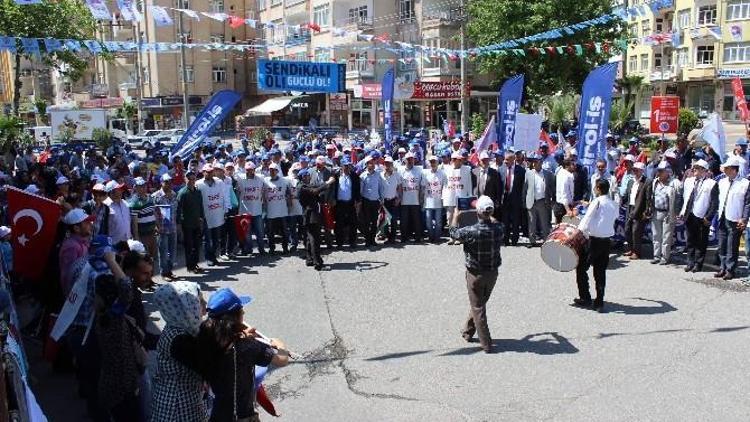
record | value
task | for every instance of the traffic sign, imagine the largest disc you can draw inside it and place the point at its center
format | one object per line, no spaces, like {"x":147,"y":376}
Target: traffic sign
{"x":664,"y":114}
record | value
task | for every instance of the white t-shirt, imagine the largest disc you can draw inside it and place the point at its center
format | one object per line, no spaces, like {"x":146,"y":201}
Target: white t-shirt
{"x":411,"y":183}
{"x":296,"y":208}
{"x":564,"y":187}
{"x":275,"y":194}
{"x":458,"y":186}
{"x":213,"y":201}
{"x":434,"y":184}
{"x":251,"y":195}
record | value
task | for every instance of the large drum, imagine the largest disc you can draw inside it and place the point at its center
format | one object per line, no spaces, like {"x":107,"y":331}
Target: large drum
{"x":563,"y":247}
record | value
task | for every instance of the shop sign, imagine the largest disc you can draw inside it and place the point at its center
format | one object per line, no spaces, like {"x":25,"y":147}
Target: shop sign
{"x":150,"y":102}
{"x":110,"y":102}
{"x":414,"y":90}
{"x":284,"y":76}
{"x":368,"y":91}
{"x":338,"y":102}
{"x":732,"y":73}
{"x":171,"y":101}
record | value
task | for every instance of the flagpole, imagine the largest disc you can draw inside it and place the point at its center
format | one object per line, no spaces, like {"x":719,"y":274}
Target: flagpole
{"x":183,"y":65}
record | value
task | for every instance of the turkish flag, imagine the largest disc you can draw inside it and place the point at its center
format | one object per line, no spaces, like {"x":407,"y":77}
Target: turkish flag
{"x":242,"y":225}
{"x":235,"y":21}
{"x":265,"y":402}
{"x":545,"y":137}
{"x":34,"y":220}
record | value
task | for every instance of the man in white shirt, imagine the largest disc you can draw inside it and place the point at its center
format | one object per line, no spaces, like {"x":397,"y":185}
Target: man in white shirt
{"x":277,"y":198}
{"x":600,"y":173}
{"x":119,"y":213}
{"x":214,"y":207}
{"x":251,"y":202}
{"x":564,"y":187}
{"x":663,"y":204}
{"x":411,"y":198}
{"x":392,"y":196}
{"x":734,"y":210}
{"x":599,"y":225}
{"x":702,"y":202}
{"x":539,"y":194}
{"x":434,"y":180}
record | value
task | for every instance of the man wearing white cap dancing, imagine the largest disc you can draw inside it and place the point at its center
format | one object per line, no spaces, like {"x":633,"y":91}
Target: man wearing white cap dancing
{"x":702,"y":193}
{"x":482,"y":242}
{"x":734,"y":210}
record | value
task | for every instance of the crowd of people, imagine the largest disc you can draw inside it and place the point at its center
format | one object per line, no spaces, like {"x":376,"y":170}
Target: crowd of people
{"x":125,"y":214}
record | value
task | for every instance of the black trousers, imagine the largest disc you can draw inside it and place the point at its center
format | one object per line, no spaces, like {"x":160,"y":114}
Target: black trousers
{"x":229,"y":233}
{"x":191,"y":237}
{"x":697,"y":241}
{"x":370,"y":211}
{"x":312,"y":244}
{"x":411,"y":222}
{"x":634,"y":232}
{"x":729,"y":245}
{"x":395,"y":211}
{"x":346,"y":223}
{"x":512,"y":221}
{"x":212,"y":241}
{"x":277,"y":226}
{"x":595,"y":255}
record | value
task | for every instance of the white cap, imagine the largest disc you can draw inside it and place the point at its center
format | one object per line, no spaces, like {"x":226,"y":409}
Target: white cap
{"x":4,"y":231}
{"x":338,"y":154}
{"x":663,"y":165}
{"x":99,"y":187}
{"x":402,"y":150}
{"x":136,"y":246}
{"x":409,"y":155}
{"x":485,"y":204}
{"x":573,"y":152}
{"x":273,"y":166}
{"x":630,"y":157}
{"x":249,"y":165}
{"x":76,"y":216}
{"x":456,"y":155}
{"x":218,"y":165}
{"x":701,"y":163}
{"x":229,"y":164}
{"x":320,"y":160}
{"x":670,"y":154}
{"x":32,"y":188}
{"x":484,"y":155}
{"x":734,"y":161}
{"x":432,"y":158}
{"x":388,"y":159}
{"x":113,"y":185}
{"x":62,"y":180}
{"x":639,"y":165}
{"x":139,"y":181}
{"x":166,"y":177}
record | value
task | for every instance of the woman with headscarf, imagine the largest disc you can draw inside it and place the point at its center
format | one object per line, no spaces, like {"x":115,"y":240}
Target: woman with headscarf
{"x":178,"y":389}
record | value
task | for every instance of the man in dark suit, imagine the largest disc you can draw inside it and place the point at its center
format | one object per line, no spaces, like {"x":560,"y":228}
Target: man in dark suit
{"x":346,"y":193}
{"x":486,"y":180}
{"x":637,"y":197}
{"x":539,"y":195}
{"x":311,"y":199}
{"x":512,"y":178}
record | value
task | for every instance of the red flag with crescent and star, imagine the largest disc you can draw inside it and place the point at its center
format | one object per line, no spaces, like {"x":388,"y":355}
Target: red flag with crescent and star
{"x":34,"y":220}
{"x":242,"y":225}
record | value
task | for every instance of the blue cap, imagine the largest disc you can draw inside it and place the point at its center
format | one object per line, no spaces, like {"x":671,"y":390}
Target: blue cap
{"x":275,"y":152}
{"x":700,"y":155}
{"x":375,"y":154}
{"x":224,"y":301}
{"x":633,"y":140}
{"x":445,"y":153}
{"x":553,"y":135}
{"x":302,"y":173}
{"x":742,"y":142}
{"x":346,"y":161}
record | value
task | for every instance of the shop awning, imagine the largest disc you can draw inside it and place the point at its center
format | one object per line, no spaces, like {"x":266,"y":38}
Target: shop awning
{"x":272,"y":104}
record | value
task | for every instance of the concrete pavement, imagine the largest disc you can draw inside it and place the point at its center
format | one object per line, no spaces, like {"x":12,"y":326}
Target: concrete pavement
{"x":379,"y":332}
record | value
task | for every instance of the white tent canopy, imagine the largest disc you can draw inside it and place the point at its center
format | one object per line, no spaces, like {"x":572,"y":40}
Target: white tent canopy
{"x":270,"y":105}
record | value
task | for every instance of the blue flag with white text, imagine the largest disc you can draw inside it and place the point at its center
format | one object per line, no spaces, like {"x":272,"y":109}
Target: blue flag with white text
{"x":213,"y":113}
{"x":593,"y":124}
{"x":387,"y":98}
{"x":508,"y":103}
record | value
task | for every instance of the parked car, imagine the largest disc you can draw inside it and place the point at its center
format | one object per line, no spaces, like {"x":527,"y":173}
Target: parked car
{"x":145,"y":139}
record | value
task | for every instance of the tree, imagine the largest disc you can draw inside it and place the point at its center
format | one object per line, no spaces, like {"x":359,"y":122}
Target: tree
{"x":11,"y":130}
{"x":478,"y":123}
{"x":492,"y":21}
{"x":620,"y":114}
{"x":60,"y":19}
{"x":630,"y":86}
{"x":41,"y":111}
{"x":560,"y":111}
{"x":128,"y":110}
{"x":102,"y":138}
{"x":687,"y":120}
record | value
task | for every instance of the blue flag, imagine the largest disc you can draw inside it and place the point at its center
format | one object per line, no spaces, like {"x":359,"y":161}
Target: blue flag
{"x":387,"y":98}
{"x":213,"y":113}
{"x":596,"y":104}
{"x":508,"y":103}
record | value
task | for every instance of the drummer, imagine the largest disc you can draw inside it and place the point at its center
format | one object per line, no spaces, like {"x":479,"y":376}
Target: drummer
{"x":599,"y":225}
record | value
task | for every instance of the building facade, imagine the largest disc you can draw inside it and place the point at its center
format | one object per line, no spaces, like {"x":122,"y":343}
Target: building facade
{"x":692,"y":50}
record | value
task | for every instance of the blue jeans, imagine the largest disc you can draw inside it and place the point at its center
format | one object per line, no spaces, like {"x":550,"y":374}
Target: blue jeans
{"x":434,"y":220}
{"x":167,"y":252}
{"x":257,"y":229}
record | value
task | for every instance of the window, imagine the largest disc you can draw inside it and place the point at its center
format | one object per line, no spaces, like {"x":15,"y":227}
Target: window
{"x":183,"y":4}
{"x":261,"y":4}
{"x":217,"y":6}
{"x":406,"y":11}
{"x":219,"y":74}
{"x":737,"y":52}
{"x":646,"y":27}
{"x":359,"y":15}
{"x":704,"y":55}
{"x":682,"y":57}
{"x":633,"y":63}
{"x":186,"y":37}
{"x":634,"y":30}
{"x":358,"y":62}
{"x":189,"y":72}
{"x":707,"y":15}
{"x":657,"y":60}
{"x":683,"y":19}
{"x":644,"y":62}
{"x":659,"y":26}
{"x":218,"y":38}
{"x":322,"y":15}
{"x":738,"y":9}
{"x":275,"y":2}
{"x":323,"y":56}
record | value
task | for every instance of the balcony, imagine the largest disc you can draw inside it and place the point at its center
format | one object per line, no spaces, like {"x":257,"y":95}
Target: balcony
{"x":298,"y":39}
{"x":668,"y":74}
{"x":699,"y":72}
{"x":359,"y":24}
{"x":436,"y":19}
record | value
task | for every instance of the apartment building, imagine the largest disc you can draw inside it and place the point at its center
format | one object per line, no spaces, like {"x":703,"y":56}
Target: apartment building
{"x":36,"y":83}
{"x":692,"y":50}
{"x":345,"y":26}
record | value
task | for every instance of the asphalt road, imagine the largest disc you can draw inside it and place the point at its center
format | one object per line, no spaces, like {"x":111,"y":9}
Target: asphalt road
{"x":379,"y":335}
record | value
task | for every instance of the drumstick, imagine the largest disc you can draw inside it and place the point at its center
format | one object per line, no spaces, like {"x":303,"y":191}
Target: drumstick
{"x":263,"y":339}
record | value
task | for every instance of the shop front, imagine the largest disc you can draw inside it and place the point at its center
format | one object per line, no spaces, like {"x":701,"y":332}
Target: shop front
{"x":729,"y":104}
{"x":166,"y":112}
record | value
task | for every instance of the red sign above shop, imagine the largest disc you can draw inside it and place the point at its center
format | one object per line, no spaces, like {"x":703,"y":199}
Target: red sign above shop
{"x":414,"y":91}
{"x":110,"y":102}
{"x":664,"y":114}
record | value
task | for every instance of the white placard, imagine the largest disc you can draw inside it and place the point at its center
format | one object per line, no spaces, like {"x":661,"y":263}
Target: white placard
{"x":527,"y":129}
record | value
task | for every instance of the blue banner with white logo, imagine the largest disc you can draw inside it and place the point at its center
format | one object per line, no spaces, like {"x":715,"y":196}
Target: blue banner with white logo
{"x":285,"y":76}
{"x":508,"y":103}
{"x":593,"y":123}
{"x":212,"y":114}
{"x":387,"y":98}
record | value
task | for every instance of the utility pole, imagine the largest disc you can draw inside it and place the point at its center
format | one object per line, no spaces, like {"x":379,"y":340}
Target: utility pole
{"x":183,"y":65}
{"x":464,"y":99}
{"x":138,"y":87}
